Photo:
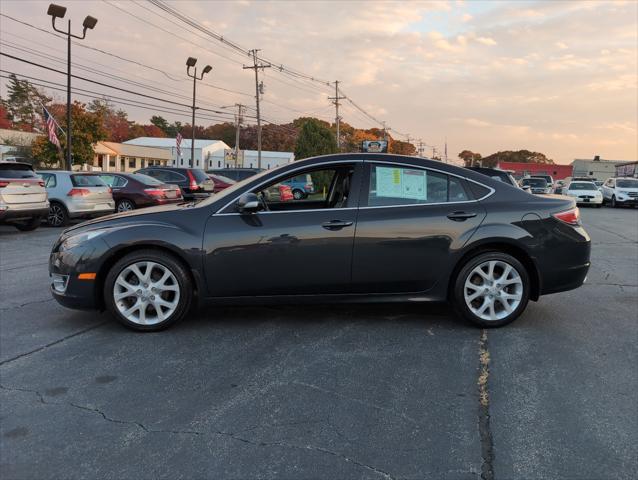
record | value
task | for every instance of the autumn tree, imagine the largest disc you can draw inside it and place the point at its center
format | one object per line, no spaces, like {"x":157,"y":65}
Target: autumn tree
{"x":315,"y":138}
{"x":469,"y":157}
{"x":401,"y":148}
{"x":524,"y":156}
{"x":5,"y":121}
{"x":86,"y":129}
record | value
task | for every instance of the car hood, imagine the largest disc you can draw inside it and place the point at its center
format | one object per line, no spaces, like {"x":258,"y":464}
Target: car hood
{"x":127,"y":217}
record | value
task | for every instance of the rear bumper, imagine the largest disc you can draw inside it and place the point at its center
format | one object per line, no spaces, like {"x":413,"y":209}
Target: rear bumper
{"x":87,"y":210}
{"x":10,"y":212}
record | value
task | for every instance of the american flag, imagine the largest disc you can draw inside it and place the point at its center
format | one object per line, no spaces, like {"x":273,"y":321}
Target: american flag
{"x":51,"y":126}
{"x":178,"y":142}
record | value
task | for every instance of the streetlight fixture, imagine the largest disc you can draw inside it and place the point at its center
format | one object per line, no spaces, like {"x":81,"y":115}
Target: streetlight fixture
{"x":57,"y":11}
{"x":190,"y":63}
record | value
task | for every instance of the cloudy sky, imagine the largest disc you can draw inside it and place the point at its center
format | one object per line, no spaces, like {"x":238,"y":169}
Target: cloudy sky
{"x":556,"y":77}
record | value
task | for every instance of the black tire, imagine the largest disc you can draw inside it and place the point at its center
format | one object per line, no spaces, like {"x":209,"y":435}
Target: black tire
{"x":599,"y":205}
{"x":458,"y":299}
{"x":58,"y":215}
{"x":613,"y":202}
{"x":298,"y":194}
{"x":167,"y":261}
{"x":29,"y":225}
{"x":124,"y":203}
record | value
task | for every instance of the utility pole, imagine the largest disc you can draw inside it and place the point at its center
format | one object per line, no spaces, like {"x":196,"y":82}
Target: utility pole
{"x":420,"y":147}
{"x":239,"y":120}
{"x":336,"y":99}
{"x":256,"y":67}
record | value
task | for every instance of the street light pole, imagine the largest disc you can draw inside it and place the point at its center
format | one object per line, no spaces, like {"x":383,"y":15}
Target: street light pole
{"x":56,"y":11}
{"x":190,"y":63}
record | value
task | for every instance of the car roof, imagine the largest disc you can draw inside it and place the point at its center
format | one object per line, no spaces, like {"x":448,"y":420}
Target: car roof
{"x":17,"y":163}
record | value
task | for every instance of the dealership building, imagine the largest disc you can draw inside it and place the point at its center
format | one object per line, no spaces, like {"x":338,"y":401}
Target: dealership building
{"x":596,"y":167}
{"x":524,"y":169}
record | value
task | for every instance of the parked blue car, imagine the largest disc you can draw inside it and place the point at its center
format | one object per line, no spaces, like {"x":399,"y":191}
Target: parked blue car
{"x":301,"y":186}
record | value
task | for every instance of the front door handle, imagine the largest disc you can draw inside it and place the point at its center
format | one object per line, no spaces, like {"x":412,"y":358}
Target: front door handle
{"x":461,"y":216}
{"x":336,"y":224}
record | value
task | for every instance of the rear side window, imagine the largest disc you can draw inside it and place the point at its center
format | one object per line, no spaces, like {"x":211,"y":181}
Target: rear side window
{"x":87,"y":181}
{"x":171,"y":177}
{"x":408,"y":186}
{"x":16,"y":170}
{"x":49,"y":180}
{"x":479,"y":191}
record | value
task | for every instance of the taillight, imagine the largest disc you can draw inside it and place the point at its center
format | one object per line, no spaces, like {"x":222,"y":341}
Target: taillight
{"x":78,"y":192}
{"x":4,"y":184}
{"x":154,"y":192}
{"x":41,"y":183}
{"x":110,"y":190}
{"x":571,"y":217}
{"x":193,"y":183}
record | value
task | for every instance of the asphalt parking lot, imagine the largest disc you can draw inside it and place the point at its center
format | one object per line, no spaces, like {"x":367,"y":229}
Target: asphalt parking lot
{"x":398,"y":391}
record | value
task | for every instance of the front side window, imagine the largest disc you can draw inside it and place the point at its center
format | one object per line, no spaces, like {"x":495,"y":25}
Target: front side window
{"x":49,"y":180}
{"x":409,"y":186}
{"x":324,"y":188}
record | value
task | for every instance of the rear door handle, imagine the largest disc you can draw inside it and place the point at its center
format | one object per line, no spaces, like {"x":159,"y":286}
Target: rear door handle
{"x":336,"y":224}
{"x":461,"y":216}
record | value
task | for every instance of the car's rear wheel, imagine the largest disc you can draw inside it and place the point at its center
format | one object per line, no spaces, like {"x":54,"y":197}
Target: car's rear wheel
{"x":58,"y":216}
{"x":29,"y":225}
{"x":124,"y":205}
{"x":298,"y":194}
{"x":148,"y":290}
{"x":492,"y":289}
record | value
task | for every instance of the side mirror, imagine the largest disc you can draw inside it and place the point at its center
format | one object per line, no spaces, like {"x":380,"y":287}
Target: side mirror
{"x":248,"y":203}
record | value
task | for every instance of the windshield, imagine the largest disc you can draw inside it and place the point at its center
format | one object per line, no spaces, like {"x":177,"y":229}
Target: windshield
{"x":145,"y":179}
{"x":547,"y":178}
{"x":582,"y":186}
{"x":87,"y":181}
{"x":628,"y":183}
{"x":535,"y":182}
{"x":16,"y":170}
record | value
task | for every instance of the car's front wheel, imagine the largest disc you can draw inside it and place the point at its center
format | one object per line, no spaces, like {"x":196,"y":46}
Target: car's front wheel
{"x":298,"y":194}
{"x":148,"y":290}
{"x":491,"y":289}
{"x":58,"y":216}
{"x":613,"y":202}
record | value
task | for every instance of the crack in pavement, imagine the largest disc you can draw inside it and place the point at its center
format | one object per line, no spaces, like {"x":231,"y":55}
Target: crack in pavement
{"x":231,"y":435}
{"x":26,"y":304}
{"x":44,"y":347}
{"x":485,"y":432}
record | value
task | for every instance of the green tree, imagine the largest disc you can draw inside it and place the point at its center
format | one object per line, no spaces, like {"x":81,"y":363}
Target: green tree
{"x":161,"y":123}
{"x":24,"y":104}
{"x":87,"y":129}
{"x":315,"y":138}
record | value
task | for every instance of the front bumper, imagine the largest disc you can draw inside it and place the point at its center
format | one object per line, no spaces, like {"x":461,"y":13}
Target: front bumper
{"x":85,"y":258}
{"x":589,"y":201}
{"x":627,"y":200}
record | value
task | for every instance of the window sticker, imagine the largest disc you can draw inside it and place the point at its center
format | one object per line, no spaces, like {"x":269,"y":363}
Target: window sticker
{"x":401,"y":183}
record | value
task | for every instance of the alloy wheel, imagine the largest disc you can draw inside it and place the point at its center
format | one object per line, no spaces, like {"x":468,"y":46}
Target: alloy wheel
{"x":56,"y":215}
{"x":125,"y":206}
{"x":297,"y":195}
{"x":146,"y":293}
{"x":493,"y":290}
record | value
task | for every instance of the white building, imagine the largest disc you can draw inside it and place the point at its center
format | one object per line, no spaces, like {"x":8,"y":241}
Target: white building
{"x":205,"y":150}
{"x":598,"y":168}
{"x":249,"y":159}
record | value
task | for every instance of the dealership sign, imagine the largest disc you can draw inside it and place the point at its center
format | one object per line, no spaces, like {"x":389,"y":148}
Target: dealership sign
{"x":374,"y":146}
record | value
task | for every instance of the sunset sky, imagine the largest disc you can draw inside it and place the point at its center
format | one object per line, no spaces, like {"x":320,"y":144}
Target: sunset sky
{"x":556,"y":77}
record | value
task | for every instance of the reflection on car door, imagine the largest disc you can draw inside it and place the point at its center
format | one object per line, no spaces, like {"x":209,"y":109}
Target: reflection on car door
{"x":283,"y":252}
{"x":410,"y":222}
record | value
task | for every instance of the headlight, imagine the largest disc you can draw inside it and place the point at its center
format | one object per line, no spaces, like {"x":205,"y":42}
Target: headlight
{"x":75,"y":240}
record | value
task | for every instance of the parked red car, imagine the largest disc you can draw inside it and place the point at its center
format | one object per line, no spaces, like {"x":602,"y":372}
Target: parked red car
{"x":134,"y":190}
{"x":221,"y":182}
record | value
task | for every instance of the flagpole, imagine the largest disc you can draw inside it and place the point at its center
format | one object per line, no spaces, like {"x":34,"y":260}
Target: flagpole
{"x":53,"y":118}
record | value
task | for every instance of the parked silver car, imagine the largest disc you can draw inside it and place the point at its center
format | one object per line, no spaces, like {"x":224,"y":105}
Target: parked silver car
{"x":23,"y":198}
{"x":76,"y":195}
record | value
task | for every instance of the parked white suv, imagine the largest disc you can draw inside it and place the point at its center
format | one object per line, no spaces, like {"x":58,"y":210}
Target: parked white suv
{"x":621,"y":191}
{"x":23,"y":198}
